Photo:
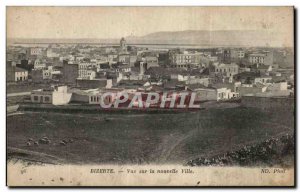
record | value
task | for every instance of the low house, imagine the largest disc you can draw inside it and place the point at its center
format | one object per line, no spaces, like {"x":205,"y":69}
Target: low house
{"x":198,"y":80}
{"x":263,"y":79}
{"x":227,"y":70}
{"x":20,"y":74}
{"x":225,"y":90}
{"x":47,"y":73}
{"x":95,"y":96}
{"x":261,"y":68}
{"x":203,"y":93}
{"x":252,"y":89}
{"x":233,"y":87}
{"x":280,"y":86}
{"x":39,"y":64}
{"x":152,"y":61}
{"x":216,"y":93}
{"x":123,"y":68}
{"x":58,"y":95}
{"x":223,"y":93}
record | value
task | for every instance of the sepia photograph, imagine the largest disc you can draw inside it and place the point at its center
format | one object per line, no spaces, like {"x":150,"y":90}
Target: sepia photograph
{"x":152,"y":96}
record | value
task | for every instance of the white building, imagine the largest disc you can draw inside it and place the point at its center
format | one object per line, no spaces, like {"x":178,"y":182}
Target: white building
{"x":203,"y":81}
{"x":213,"y":94}
{"x":185,"y":59}
{"x":246,"y":89}
{"x":38,"y":64}
{"x":85,"y":71}
{"x":262,"y":79}
{"x":264,"y":57}
{"x":21,"y":74}
{"x":47,"y":74}
{"x":238,"y":54}
{"x":227,"y":70}
{"x":36,"y":51}
{"x":281,"y":86}
{"x":256,"y":58}
{"x":151,"y":61}
{"x":55,"y":95}
{"x":223,"y":93}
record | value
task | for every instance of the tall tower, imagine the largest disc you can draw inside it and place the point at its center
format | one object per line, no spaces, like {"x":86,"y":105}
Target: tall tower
{"x":143,"y":67}
{"x":227,"y":56}
{"x":123,"y":46}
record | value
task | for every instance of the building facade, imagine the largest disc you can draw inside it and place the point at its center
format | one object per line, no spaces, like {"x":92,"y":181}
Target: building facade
{"x":227,"y":70}
{"x":265,"y":58}
{"x":185,"y":59}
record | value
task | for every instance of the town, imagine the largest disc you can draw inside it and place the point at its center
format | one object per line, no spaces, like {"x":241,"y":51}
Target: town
{"x":137,"y":103}
{"x":66,"y":74}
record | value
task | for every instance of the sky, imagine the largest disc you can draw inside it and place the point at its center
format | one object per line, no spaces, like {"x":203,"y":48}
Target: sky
{"x":116,"y":22}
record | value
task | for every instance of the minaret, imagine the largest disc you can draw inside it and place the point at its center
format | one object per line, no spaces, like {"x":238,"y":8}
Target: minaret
{"x":123,"y":45}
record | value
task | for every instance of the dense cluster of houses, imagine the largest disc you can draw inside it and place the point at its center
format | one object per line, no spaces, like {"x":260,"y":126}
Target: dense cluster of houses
{"x":81,"y":73}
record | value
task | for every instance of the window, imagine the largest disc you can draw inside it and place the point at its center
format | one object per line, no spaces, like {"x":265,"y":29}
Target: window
{"x":35,"y":98}
{"x":47,"y":99}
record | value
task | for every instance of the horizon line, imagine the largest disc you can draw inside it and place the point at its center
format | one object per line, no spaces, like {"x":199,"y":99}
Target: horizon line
{"x":225,"y":30}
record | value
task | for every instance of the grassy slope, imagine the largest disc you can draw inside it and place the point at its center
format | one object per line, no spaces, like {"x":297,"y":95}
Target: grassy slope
{"x":144,"y":138}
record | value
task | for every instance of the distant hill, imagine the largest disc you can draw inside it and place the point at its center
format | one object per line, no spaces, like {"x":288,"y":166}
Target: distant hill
{"x":211,"y":38}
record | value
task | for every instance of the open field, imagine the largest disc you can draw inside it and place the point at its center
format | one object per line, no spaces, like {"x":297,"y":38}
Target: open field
{"x":144,"y":138}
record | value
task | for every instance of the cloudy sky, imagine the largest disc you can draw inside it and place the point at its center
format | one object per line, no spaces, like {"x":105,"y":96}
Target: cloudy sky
{"x":115,"y":22}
